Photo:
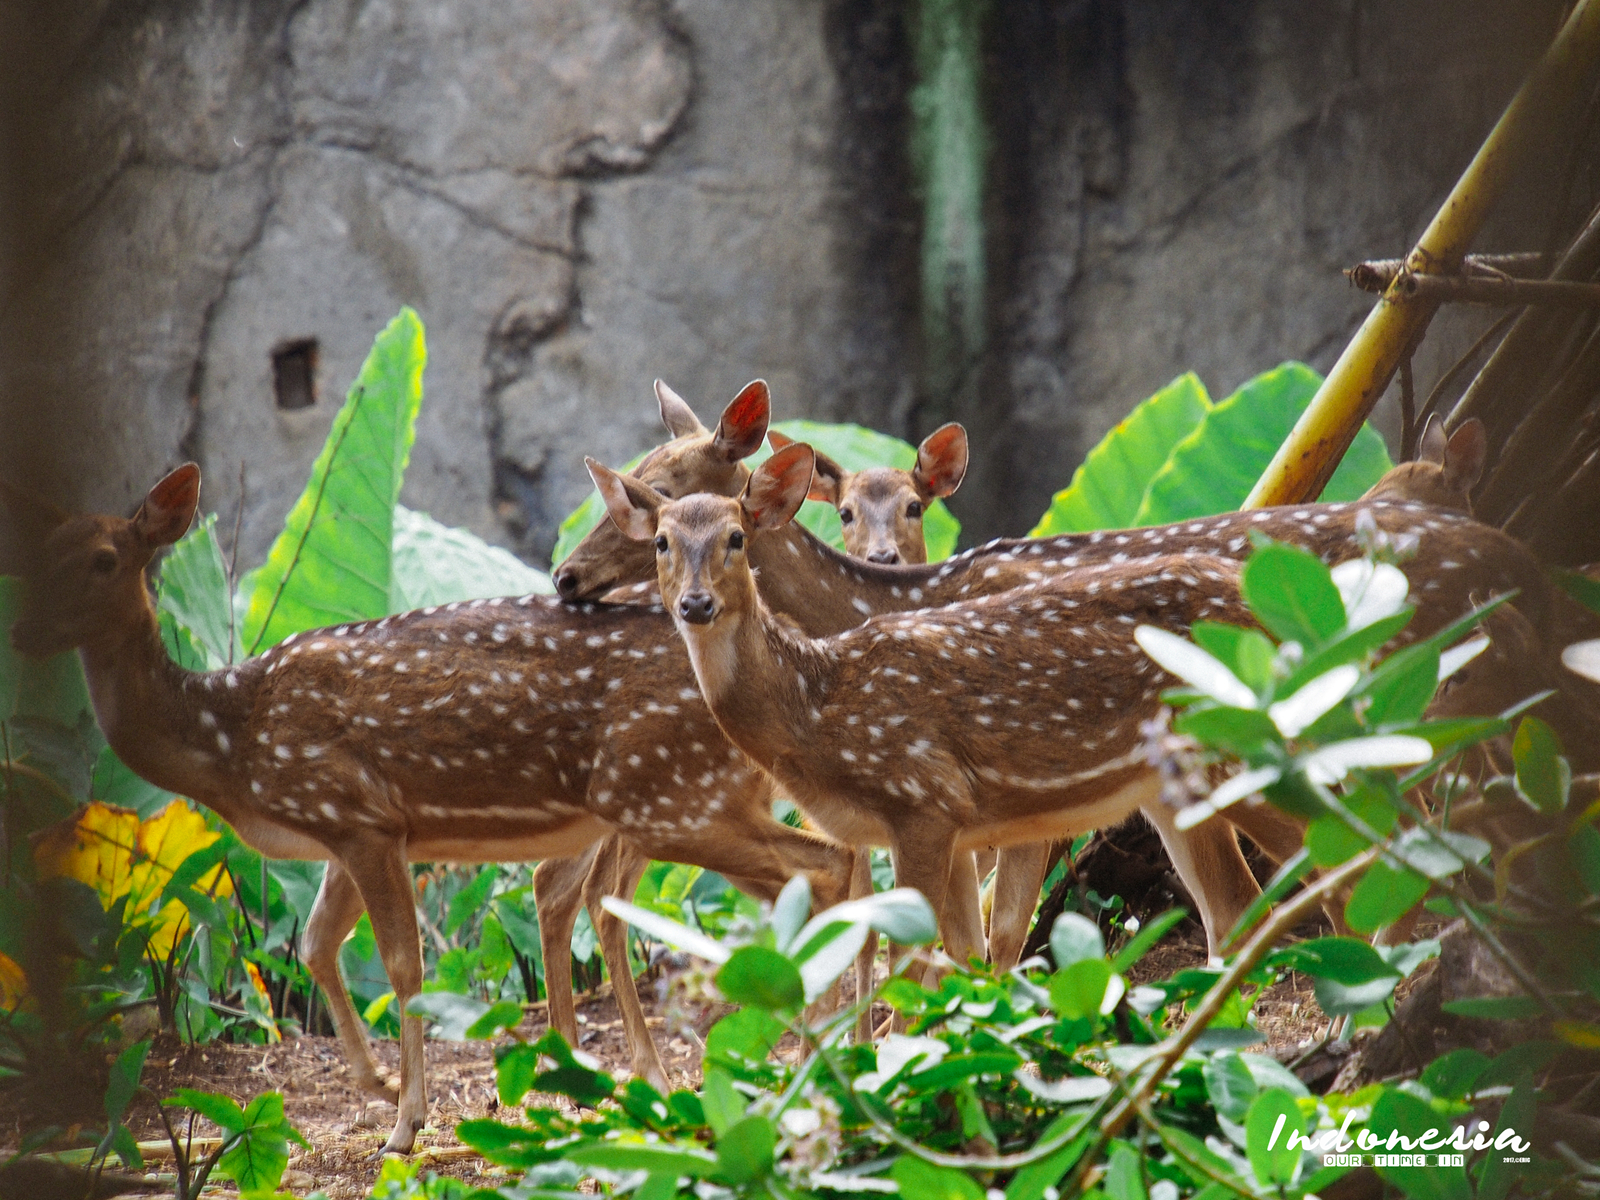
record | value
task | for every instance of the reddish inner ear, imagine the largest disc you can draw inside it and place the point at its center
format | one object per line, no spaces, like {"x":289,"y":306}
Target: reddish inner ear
{"x":778,"y":487}
{"x":180,"y":489}
{"x":744,"y":421}
{"x":942,"y":459}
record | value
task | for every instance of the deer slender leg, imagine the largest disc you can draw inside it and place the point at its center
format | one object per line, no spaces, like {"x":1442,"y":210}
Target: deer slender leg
{"x":617,"y":870}
{"x":380,"y":871}
{"x":557,"y":897}
{"x":962,"y":923}
{"x":1019,"y":874}
{"x":861,"y":886}
{"x":337,"y":909}
{"x":923,"y":849}
{"x":1211,"y":865}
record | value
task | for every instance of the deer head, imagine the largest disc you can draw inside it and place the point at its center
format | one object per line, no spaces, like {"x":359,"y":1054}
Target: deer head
{"x":880,"y":508}
{"x":1445,"y":472}
{"x":700,"y":544}
{"x":696,"y":460}
{"x":90,"y":570}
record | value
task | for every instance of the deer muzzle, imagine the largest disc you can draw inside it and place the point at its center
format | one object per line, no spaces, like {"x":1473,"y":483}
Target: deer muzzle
{"x":697,"y":607}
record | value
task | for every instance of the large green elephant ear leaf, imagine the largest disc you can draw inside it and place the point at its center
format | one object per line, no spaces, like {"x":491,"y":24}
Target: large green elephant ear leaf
{"x":333,"y":561}
{"x":855,"y":448}
{"x":1213,"y":468}
{"x":437,"y":564}
{"x":193,"y":589}
{"x":1108,"y":489}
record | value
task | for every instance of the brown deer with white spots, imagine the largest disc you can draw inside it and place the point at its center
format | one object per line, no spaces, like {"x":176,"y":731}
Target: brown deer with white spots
{"x":489,"y":730}
{"x":880,"y":508}
{"x":1457,"y":562}
{"x":941,"y":730}
{"x":1445,"y":471}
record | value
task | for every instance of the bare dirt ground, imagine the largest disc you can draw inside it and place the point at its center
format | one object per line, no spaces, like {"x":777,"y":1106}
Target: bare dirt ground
{"x":346,"y":1128}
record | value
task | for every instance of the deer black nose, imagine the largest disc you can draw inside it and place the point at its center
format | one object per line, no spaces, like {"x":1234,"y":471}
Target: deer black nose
{"x":566,"y":582}
{"x":887,"y":557}
{"x":696,"y":608}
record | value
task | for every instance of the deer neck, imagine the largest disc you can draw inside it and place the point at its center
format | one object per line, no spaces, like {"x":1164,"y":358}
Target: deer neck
{"x":760,"y":677}
{"x":170,"y":726}
{"x":826,"y":592}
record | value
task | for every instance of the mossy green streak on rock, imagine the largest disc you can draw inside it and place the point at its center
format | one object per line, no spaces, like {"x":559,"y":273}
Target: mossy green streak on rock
{"x":949,"y":145}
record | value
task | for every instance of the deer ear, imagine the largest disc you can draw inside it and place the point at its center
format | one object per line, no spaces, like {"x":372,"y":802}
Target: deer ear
{"x":744,"y":422}
{"x":676,"y":415}
{"x":168,"y":511}
{"x":941,"y":461}
{"x":1465,"y":453}
{"x":633,"y":507}
{"x":778,"y":487}
{"x":1433,"y":445}
{"x":827,"y":481}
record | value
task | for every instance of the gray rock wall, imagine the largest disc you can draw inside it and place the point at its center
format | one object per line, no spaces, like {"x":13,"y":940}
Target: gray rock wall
{"x":581,"y":195}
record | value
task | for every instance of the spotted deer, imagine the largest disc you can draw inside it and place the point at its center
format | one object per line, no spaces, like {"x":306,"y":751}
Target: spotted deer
{"x":944,"y":729}
{"x":489,"y":730}
{"x":1445,"y":471}
{"x":1457,"y":562}
{"x":880,"y":508}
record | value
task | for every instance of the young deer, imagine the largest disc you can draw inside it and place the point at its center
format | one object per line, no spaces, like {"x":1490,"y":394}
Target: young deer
{"x":1445,"y":471}
{"x":880,"y":508}
{"x":940,"y":730}
{"x":484,"y":731}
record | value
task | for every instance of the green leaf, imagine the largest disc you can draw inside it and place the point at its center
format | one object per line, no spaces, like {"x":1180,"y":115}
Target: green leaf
{"x":1517,"y":1113}
{"x":514,"y":1069}
{"x":1330,"y":841}
{"x":220,"y":1110}
{"x":1543,"y":776}
{"x":257,"y":1157}
{"x":436,"y":564}
{"x":193,"y":587}
{"x":1123,"y":1179}
{"x":724,"y":1107}
{"x":1522,"y":1059}
{"x":1402,"y":686}
{"x":1213,"y":468}
{"x":1349,"y":974}
{"x":1413,"y":1118}
{"x":452,"y":1014}
{"x":1290,"y":591}
{"x":508,"y":1145}
{"x":1108,"y":489}
{"x":1151,"y":932}
{"x":125,"y":1072}
{"x":470,"y":900}
{"x":744,"y":1152}
{"x":1452,"y":1075}
{"x":1383,"y":896}
{"x":1242,"y":732}
{"x":900,"y":914}
{"x":1078,"y":990}
{"x":504,"y":1014}
{"x":764,"y":978}
{"x":749,"y":1034}
{"x":332,"y":562}
{"x":1248,"y":653}
{"x":790,"y":910}
{"x":1074,"y":938}
{"x":114,"y":783}
{"x":1494,"y":1008}
{"x":1030,"y":1182}
{"x":1581,"y":588}
{"x":921,"y":1180}
{"x":1351,"y":647}
{"x":657,"y":1158}
{"x":1230,"y":1085}
{"x":959,"y":1068}
{"x":1272,"y":1117}
{"x":1583,"y":843}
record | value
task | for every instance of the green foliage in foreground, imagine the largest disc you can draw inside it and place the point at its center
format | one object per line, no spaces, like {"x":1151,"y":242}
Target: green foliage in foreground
{"x":1063,"y":1080}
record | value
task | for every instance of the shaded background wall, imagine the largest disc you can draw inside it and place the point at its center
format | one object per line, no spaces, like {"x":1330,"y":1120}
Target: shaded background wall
{"x":212,"y":207}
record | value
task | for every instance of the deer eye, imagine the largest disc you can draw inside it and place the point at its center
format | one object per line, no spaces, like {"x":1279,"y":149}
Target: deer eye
{"x":846,"y":516}
{"x":914,"y":509}
{"x":104,"y":562}
{"x":736,"y":540}
{"x":661,"y":544}
{"x":663,"y":491}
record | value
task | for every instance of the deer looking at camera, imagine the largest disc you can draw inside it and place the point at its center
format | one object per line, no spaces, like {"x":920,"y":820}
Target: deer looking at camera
{"x":940,"y":730}
{"x":490,"y":730}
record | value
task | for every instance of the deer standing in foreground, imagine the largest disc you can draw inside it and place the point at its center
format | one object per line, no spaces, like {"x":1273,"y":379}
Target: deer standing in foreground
{"x":1458,"y":561}
{"x":941,"y":730}
{"x":488,"y":730}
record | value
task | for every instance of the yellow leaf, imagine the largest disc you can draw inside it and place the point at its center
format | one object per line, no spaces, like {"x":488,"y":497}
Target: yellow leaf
{"x":1578,"y":1033}
{"x":260,"y":985}
{"x":13,"y":983}
{"x":96,"y":849}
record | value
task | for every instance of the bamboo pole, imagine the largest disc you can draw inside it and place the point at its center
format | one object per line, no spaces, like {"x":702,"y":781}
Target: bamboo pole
{"x":1307,"y":458}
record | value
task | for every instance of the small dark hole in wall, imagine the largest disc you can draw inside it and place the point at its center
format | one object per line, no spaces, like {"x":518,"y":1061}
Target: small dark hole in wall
{"x":294,"y":373}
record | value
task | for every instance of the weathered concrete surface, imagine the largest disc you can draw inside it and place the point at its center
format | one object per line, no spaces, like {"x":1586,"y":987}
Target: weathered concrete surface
{"x":580,"y":195}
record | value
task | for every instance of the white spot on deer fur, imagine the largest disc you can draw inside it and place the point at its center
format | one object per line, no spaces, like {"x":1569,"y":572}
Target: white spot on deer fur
{"x":232,"y":678}
{"x":222,"y":742}
{"x":283,"y":752}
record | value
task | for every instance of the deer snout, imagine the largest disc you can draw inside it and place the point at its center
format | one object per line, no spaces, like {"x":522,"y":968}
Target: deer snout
{"x":888,"y":556}
{"x":566,"y":581}
{"x":697,"y":608}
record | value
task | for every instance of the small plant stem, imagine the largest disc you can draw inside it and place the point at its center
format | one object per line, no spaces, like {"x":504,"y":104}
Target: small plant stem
{"x":1190,"y":1164}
